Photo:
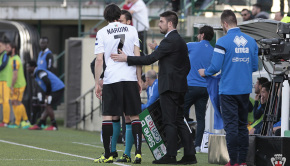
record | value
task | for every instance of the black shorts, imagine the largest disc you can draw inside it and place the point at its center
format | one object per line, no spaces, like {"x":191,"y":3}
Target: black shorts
{"x":56,"y":97}
{"x":121,"y":97}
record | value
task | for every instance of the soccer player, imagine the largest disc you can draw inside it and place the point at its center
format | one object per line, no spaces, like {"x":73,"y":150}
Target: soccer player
{"x":17,"y":86}
{"x":4,"y":87}
{"x":44,"y":61}
{"x":121,"y":84}
{"x":45,"y":57}
{"x":53,"y":88}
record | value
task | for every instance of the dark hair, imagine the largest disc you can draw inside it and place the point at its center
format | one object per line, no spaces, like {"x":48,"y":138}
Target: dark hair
{"x":229,"y":17}
{"x":257,"y":5}
{"x":112,"y":12}
{"x":207,"y":31}
{"x":127,"y":14}
{"x":1,"y":41}
{"x":170,"y":16}
{"x":246,"y":10}
{"x":267,"y":86}
{"x":44,"y":38}
{"x":32,"y":64}
{"x":13,"y":45}
{"x":262,"y":80}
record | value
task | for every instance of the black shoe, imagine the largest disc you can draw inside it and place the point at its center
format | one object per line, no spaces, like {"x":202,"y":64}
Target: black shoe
{"x":114,"y":154}
{"x":165,"y":160}
{"x":187,"y":159}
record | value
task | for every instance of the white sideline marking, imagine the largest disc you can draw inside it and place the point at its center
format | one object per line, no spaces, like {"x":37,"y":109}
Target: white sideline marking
{"x":68,"y":154}
{"x":33,"y":160}
{"x":92,"y":145}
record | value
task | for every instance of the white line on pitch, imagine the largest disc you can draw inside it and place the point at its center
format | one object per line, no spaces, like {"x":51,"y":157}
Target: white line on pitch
{"x":33,"y":160}
{"x":93,"y":145}
{"x":68,"y":154}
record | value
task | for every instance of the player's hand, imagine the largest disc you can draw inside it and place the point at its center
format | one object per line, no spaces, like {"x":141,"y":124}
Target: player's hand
{"x":119,"y":57}
{"x":98,"y":91}
{"x":140,"y":86}
{"x":257,"y":97}
{"x":101,"y":83}
{"x":152,"y":45}
{"x":201,"y":72}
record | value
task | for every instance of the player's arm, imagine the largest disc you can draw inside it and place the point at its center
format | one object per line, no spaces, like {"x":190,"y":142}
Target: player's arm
{"x":49,"y":61}
{"x":15,"y":65}
{"x":216,"y":62}
{"x":44,"y":77}
{"x":98,"y":72}
{"x":139,"y":68}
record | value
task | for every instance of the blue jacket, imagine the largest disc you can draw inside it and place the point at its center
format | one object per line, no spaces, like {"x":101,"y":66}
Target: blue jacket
{"x":41,"y":60}
{"x":152,"y":94}
{"x":200,"y":54}
{"x":55,"y":83}
{"x":236,"y":55}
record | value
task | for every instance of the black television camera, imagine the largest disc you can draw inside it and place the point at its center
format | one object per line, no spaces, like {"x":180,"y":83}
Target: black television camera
{"x":277,"y":50}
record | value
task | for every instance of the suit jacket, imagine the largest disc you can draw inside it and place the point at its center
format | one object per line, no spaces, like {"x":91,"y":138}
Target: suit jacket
{"x":174,"y":64}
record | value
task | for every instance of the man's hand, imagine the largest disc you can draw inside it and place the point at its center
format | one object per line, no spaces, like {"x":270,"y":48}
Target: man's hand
{"x":201,"y":72}
{"x":98,"y":91}
{"x":152,"y":45}
{"x":101,"y":83}
{"x":119,"y":57}
{"x":257,"y":97}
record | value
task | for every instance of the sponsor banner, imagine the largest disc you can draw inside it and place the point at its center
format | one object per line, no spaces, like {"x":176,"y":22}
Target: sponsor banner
{"x":152,"y":135}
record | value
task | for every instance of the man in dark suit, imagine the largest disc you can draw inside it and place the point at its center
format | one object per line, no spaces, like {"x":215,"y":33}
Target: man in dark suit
{"x":174,"y":66}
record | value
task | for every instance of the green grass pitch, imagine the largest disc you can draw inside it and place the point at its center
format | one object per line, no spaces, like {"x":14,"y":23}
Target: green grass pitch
{"x":66,"y":147}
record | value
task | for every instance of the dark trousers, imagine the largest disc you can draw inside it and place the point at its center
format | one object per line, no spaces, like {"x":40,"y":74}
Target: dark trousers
{"x":172,"y":117}
{"x":143,"y":42}
{"x":235,"y":115}
{"x":199,"y":97}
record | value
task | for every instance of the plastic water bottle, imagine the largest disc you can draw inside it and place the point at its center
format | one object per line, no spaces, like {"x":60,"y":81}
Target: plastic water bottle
{"x":182,"y":19}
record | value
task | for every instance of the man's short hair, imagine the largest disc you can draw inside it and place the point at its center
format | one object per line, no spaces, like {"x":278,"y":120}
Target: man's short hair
{"x":267,"y":86}
{"x":229,"y":17}
{"x":2,"y":41}
{"x":170,"y":16}
{"x":257,"y":5}
{"x":112,"y":12}
{"x":207,"y":31}
{"x":127,"y":15}
{"x":246,"y":10}
{"x":262,"y":80}
{"x":44,"y":38}
{"x":151,"y":74}
{"x":32,"y":63}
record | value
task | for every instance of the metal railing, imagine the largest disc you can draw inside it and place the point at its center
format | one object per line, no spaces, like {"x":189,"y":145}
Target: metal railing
{"x":81,"y":101}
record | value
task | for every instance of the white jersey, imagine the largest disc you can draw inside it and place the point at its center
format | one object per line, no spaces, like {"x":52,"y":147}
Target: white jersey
{"x":108,"y":40}
{"x":140,"y":16}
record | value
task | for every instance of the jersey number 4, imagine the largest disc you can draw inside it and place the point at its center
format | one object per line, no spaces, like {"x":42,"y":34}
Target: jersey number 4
{"x":121,"y":43}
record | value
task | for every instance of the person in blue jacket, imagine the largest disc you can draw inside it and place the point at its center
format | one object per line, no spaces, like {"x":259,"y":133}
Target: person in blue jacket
{"x":236,"y":55}
{"x":53,"y":88}
{"x":200,"y":54}
{"x":152,"y":90}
